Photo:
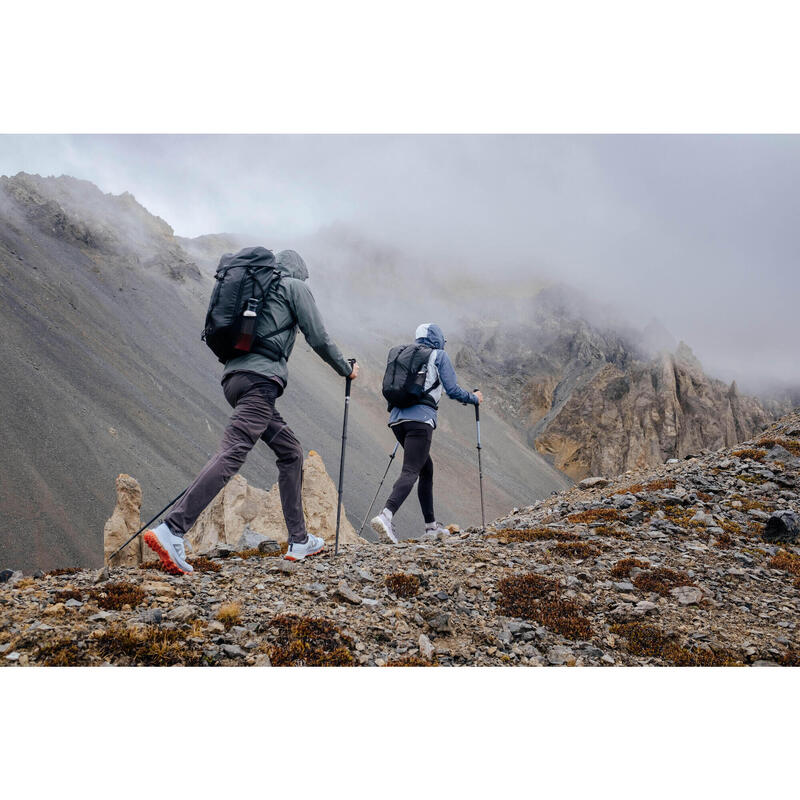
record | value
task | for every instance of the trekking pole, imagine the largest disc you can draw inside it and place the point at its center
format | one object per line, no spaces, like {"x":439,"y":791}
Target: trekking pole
{"x":145,"y":526}
{"x":347,"y":387}
{"x":480,"y":468}
{"x":388,"y":467}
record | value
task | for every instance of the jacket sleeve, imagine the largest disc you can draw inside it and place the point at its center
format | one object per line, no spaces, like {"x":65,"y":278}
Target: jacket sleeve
{"x":309,"y":320}
{"x":447,"y":375}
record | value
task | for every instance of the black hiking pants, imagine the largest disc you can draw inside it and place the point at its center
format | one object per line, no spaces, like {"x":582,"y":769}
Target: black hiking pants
{"x":415,"y":439}
{"x":253,"y":397}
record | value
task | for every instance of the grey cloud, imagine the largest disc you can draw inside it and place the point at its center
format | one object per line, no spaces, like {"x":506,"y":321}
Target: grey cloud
{"x":699,"y":231}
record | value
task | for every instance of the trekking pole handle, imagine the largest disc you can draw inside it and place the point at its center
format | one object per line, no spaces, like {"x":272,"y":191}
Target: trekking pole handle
{"x":477,"y":406}
{"x":349,"y":380}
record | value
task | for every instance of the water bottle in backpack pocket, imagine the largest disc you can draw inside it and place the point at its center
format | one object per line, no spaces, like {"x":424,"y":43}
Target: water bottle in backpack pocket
{"x":247,"y":328}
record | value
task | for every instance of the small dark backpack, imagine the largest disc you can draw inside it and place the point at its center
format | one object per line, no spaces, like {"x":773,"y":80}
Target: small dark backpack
{"x":404,"y":379}
{"x":243,"y":284}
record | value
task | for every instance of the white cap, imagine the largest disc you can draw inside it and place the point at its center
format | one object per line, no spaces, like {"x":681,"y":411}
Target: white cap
{"x":422,"y":330}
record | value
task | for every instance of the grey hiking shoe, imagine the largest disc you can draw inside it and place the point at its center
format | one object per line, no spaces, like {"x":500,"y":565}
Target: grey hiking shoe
{"x":169,"y":549}
{"x":383,"y":525}
{"x":312,"y":546}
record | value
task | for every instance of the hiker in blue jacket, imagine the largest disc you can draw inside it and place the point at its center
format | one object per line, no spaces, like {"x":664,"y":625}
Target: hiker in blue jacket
{"x":413,"y":427}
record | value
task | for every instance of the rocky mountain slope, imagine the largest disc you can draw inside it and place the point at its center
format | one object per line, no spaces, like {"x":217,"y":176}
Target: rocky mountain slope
{"x":696,"y":562}
{"x":598,"y":398}
{"x":104,"y":373}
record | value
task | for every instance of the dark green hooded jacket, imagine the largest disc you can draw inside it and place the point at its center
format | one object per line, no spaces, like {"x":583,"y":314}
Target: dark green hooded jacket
{"x":291,"y":301}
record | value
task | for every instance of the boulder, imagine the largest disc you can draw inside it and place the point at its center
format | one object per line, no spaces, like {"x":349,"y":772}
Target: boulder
{"x":782,"y":526}
{"x":593,"y":483}
{"x":687,"y":595}
{"x":240,"y":506}
{"x":778,"y":453}
{"x":11,"y":578}
{"x":425,"y":647}
{"x":124,"y":522}
{"x":250,"y":540}
{"x":344,"y":592}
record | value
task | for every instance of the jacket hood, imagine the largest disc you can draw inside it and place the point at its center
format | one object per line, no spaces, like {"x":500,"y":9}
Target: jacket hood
{"x":290,"y":263}
{"x":431,"y":335}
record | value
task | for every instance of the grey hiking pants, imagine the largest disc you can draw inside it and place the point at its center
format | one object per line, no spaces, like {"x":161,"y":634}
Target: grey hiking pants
{"x":253,"y":397}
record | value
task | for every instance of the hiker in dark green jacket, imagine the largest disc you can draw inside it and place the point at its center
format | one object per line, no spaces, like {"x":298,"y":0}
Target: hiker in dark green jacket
{"x":252,"y":383}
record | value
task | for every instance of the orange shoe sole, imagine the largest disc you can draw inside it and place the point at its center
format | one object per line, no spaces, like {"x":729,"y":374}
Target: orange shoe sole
{"x":151,"y":540}
{"x":287,"y":557}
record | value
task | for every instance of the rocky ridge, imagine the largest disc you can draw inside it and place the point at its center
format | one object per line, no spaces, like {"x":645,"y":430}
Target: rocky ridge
{"x":695,"y":562}
{"x":598,"y":398}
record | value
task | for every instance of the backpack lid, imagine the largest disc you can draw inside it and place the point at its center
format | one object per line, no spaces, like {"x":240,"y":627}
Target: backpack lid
{"x":249,"y":256}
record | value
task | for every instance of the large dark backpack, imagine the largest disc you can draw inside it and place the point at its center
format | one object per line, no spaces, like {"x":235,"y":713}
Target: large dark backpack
{"x":404,"y":379}
{"x":247,"y":275}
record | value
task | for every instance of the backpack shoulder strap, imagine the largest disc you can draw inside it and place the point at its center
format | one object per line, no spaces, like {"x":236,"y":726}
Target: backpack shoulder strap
{"x":262,"y":345}
{"x":437,"y":382}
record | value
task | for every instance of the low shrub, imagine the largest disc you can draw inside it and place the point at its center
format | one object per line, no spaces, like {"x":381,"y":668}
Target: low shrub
{"x":661,"y":580}
{"x":402,"y":585}
{"x":622,"y":569}
{"x":113,"y":596}
{"x":307,"y":641}
{"x":535,"y":535}
{"x":230,"y":614}
{"x":646,"y":640}
{"x":150,"y":646}
{"x":575,"y":549}
{"x":538,"y":598}
{"x":595,"y":515}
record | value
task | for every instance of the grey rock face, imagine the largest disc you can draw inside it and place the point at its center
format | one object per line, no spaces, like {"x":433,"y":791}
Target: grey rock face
{"x":597,"y":401}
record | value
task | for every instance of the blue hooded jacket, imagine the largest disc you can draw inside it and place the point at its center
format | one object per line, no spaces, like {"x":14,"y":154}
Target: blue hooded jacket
{"x":439,"y":367}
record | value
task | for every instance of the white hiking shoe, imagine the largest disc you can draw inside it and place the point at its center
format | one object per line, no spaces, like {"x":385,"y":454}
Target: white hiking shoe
{"x":383,"y":525}
{"x":433,"y":532}
{"x":436,"y":528}
{"x":312,"y":546}
{"x":169,"y":549}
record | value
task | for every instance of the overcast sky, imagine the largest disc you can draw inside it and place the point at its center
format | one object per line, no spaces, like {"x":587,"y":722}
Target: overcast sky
{"x":700,"y":231}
